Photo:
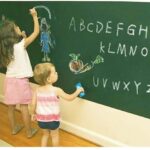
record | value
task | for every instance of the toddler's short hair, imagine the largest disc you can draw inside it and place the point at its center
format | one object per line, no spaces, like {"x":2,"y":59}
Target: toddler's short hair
{"x":42,"y":72}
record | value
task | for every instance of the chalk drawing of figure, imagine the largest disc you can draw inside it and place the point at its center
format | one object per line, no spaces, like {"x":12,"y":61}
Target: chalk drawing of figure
{"x":46,"y":41}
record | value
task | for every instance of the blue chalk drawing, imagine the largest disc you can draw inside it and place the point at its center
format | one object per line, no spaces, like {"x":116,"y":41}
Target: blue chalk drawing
{"x":47,"y":40}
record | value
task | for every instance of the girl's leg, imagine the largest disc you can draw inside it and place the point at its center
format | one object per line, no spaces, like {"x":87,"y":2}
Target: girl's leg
{"x":27,"y":120}
{"x":15,"y":128}
{"x":11,"y":116}
{"x":45,"y":137}
{"x":55,"y":137}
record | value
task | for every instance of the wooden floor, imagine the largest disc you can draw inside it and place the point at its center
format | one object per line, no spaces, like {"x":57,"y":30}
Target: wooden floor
{"x":20,"y":140}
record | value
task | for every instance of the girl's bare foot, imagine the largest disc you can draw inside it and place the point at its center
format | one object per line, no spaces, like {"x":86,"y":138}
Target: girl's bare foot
{"x":17,"y":129}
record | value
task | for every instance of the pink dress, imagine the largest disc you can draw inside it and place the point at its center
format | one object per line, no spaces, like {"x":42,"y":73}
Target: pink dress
{"x":17,"y":89}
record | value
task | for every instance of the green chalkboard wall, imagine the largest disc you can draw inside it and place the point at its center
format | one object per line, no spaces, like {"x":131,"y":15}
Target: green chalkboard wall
{"x":119,"y":32}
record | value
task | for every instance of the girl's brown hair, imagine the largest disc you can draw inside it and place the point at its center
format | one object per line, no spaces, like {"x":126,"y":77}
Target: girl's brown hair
{"x":42,"y":72}
{"x":8,"y":37}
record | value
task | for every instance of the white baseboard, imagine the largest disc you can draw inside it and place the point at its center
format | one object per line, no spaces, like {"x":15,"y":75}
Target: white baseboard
{"x":89,"y":135}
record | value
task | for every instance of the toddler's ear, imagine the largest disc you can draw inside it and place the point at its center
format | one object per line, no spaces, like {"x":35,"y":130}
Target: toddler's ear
{"x":49,"y":79}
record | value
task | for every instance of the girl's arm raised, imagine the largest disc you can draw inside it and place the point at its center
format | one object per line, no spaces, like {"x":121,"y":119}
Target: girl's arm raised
{"x":36,"y":30}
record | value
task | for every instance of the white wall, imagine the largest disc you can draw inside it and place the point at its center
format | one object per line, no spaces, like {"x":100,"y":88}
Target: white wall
{"x":101,"y":124}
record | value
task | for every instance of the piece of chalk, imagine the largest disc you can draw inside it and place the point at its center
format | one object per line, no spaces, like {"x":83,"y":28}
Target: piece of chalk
{"x":78,"y":85}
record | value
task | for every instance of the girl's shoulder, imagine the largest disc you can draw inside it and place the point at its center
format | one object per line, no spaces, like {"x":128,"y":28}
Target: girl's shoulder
{"x":56,"y":89}
{"x":45,"y":90}
{"x":20,"y":44}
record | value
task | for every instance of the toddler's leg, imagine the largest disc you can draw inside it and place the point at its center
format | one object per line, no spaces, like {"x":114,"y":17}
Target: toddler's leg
{"x":27,"y":120}
{"x":55,"y":137}
{"x":45,"y":137}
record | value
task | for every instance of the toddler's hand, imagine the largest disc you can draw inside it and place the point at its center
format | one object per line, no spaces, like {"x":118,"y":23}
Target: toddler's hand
{"x":80,"y":89}
{"x":33,"y":12}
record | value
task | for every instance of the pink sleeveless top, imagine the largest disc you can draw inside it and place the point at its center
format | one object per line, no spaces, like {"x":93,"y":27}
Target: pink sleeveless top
{"x":47,"y":109}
